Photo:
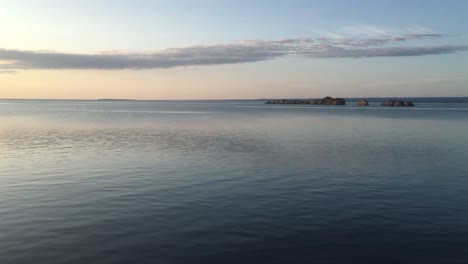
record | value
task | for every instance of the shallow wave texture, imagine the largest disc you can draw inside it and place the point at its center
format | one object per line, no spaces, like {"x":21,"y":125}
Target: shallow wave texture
{"x":232,"y":182}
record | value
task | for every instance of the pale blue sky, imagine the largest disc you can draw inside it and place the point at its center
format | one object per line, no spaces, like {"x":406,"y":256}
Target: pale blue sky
{"x":70,"y":27}
{"x":149,"y":24}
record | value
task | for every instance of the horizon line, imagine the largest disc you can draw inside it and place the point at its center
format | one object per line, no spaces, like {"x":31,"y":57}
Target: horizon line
{"x":226,"y":99}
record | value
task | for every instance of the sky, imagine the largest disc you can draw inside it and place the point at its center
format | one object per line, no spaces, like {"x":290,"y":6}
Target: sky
{"x":220,"y":49}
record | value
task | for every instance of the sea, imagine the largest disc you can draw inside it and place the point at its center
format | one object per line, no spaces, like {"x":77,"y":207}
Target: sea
{"x":232,"y":182}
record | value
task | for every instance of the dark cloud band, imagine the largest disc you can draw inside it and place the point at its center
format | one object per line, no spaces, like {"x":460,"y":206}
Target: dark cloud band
{"x":242,"y":52}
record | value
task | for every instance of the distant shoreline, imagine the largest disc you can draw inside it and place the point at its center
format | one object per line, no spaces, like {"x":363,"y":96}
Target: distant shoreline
{"x":461,"y":99}
{"x":115,"y":100}
{"x":415,"y":99}
{"x":383,"y":99}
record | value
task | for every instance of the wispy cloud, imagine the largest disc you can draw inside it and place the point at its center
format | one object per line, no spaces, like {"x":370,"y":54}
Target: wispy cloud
{"x":354,"y":43}
{"x":374,"y":31}
{"x":7,"y":71}
{"x":421,"y":80}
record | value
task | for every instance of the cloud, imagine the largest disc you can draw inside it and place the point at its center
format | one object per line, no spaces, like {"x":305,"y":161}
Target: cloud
{"x":7,"y":71}
{"x":369,"y":30}
{"x":419,"y":81}
{"x":387,"y":52}
{"x":362,"y":43}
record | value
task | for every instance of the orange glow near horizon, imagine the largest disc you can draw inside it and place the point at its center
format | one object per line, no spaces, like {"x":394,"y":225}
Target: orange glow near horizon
{"x":286,"y":78}
{"x":246,"y":81}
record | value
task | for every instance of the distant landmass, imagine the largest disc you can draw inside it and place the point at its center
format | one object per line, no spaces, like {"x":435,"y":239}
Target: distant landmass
{"x":414,"y":99}
{"x":324,"y":101}
{"x":385,"y":99}
{"x":463,"y":99}
{"x":397,"y":103}
{"x":115,"y":100}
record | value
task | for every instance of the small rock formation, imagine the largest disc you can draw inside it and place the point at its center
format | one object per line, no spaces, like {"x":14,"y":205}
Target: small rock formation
{"x":397,"y":103}
{"x":363,"y":102}
{"x":324,"y":101}
{"x":331,"y":101}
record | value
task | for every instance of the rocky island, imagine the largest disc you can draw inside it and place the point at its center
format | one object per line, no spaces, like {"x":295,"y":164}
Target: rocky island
{"x":363,"y":102}
{"x":397,"y":103}
{"x":324,"y":101}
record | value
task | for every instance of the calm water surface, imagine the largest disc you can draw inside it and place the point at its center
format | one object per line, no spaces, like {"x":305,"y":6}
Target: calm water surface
{"x":232,"y":182}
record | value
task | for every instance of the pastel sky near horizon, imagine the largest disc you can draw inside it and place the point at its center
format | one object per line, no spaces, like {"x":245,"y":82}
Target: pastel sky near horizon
{"x":220,"y":49}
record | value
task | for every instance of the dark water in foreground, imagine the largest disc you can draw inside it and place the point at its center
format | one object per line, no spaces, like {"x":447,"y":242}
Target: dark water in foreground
{"x":232,"y":182}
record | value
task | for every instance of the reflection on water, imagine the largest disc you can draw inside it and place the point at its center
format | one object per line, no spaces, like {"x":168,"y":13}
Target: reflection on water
{"x":230,"y":182}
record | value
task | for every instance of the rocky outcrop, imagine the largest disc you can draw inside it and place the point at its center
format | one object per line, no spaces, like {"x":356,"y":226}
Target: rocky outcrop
{"x":363,"y":102}
{"x":331,"y":101}
{"x":397,"y":103}
{"x":324,"y":101}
